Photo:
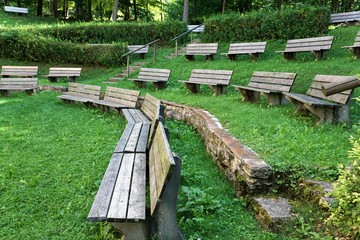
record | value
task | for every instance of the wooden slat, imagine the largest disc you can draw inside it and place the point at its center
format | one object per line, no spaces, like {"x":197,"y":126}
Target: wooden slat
{"x":120,"y":199}
{"x":246,"y":48}
{"x":128,"y":116}
{"x":103,"y":196}
{"x":28,"y":71}
{"x":64,"y":72}
{"x":121,"y":144}
{"x":278,"y":88}
{"x":133,"y":47}
{"x":121,"y":96}
{"x":201,"y":48}
{"x":143,"y":138}
{"x":133,"y":138}
{"x":137,"y":201}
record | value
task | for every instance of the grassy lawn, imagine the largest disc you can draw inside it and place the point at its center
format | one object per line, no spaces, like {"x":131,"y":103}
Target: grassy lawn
{"x":53,"y":156}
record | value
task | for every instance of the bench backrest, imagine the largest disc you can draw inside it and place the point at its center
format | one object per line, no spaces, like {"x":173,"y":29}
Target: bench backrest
{"x":122,"y":96}
{"x":315,"y":89}
{"x":161,"y":165}
{"x":201,"y":48}
{"x":197,"y":30}
{"x":15,"y":9}
{"x":84,"y":90}
{"x":212,"y":77}
{"x":345,"y":17}
{"x":134,"y":47}
{"x":274,"y":81}
{"x":19,"y":83}
{"x":154,"y":74}
{"x":309,"y":44}
{"x":243,"y":48}
{"x":19,"y":71}
{"x":64,"y":72}
{"x":151,"y":106}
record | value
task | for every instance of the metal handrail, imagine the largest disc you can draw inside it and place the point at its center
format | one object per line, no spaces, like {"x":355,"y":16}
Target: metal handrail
{"x":176,"y":38}
{"x":127,"y":55}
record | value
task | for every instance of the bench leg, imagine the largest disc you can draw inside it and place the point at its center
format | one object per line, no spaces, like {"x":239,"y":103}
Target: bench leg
{"x":300,"y":109}
{"x":140,"y":84}
{"x":356,"y":51}
{"x":160,"y":85}
{"x":342,"y":114}
{"x":132,"y":231}
{"x":275,"y":98}
{"x":193,"y":87}
{"x":255,"y":56}
{"x":190,"y":57}
{"x":325,"y":114}
{"x":163,"y":224}
{"x":249,"y":96}
{"x":289,"y":55}
{"x":4,"y":92}
{"x":219,"y":90}
{"x":142,"y":55}
{"x":232,"y":57}
{"x":318,"y":54}
{"x":72,"y":79}
{"x":210,"y":57}
{"x":30,"y":92}
{"x":52,"y":79}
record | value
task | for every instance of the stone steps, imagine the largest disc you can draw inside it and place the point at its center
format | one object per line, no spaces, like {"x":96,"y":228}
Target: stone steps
{"x":120,"y":76}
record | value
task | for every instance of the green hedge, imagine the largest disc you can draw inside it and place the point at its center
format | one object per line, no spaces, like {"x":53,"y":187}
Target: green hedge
{"x":131,"y":33}
{"x":29,"y":47}
{"x":288,"y":23}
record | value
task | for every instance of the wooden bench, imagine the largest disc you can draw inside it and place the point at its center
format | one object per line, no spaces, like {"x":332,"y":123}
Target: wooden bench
{"x":118,"y":98}
{"x":16,"y":9}
{"x":334,"y":108}
{"x":19,"y":71}
{"x":27,"y":84}
{"x":55,"y":72}
{"x":355,"y":48}
{"x":81,"y":93}
{"x":253,"y":49}
{"x":346,"y":17}
{"x":158,"y":77}
{"x":208,"y":50}
{"x":216,"y":79}
{"x":141,"y":51}
{"x":121,"y":198}
{"x":270,"y":84}
{"x":197,"y":28}
{"x":317,"y":46}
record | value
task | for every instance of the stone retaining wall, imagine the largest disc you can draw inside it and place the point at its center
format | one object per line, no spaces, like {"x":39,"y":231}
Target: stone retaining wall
{"x":242,"y":166}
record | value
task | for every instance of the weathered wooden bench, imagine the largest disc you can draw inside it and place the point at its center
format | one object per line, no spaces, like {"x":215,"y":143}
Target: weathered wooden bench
{"x":334,"y":108}
{"x":16,"y":9}
{"x":141,"y":51}
{"x":117,"y":98}
{"x":121,"y":198}
{"x":83,"y":93}
{"x":196,"y":28}
{"x":218,"y":80}
{"x":355,"y":48}
{"x":55,"y":72}
{"x":27,"y":84}
{"x":345,"y":17}
{"x":253,"y":49}
{"x":208,"y":50}
{"x":19,"y":71}
{"x":158,"y":77}
{"x":270,"y":84}
{"x":317,"y":46}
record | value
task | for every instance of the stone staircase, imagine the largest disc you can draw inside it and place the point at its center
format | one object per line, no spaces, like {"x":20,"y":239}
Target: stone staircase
{"x":120,"y":76}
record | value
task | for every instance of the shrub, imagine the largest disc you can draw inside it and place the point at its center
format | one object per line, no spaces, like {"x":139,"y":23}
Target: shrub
{"x":297,"y":22}
{"x":35,"y":48}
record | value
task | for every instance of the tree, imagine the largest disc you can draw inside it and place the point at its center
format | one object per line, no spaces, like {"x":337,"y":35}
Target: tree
{"x":39,"y":8}
{"x":186,"y":11}
{"x":116,"y":8}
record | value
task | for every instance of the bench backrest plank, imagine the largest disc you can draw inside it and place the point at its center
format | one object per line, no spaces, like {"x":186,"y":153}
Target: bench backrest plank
{"x":213,"y":77}
{"x":275,"y":81}
{"x":315,"y":89}
{"x":122,"y":96}
{"x":151,"y":106}
{"x":161,"y":165}
{"x":140,"y":51}
{"x":18,"y":83}
{"x":345,"y":17}
{"x":201,"y":48}
{"x":20,"y":71}
{"x":197,"y":30}
{"x":64,"y":72}
{"x":309,"y":44}
{"x":15,"y":9}
{"x":84,"y":90}
{"x":242,"y":48}
{"x":154,"y":74}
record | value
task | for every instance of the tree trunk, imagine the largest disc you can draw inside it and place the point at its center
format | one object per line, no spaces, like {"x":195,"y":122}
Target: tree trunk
{"x":135,"y":10}
{"x":54,"y":7}
{"x":223,"y":6}
{"x":64,"y":12}
{"x":186,"y":11}
{"x":116,"y":8}
{"x":19,"y":3}
{"x":39,"y":8}
{"x":89,"y":12}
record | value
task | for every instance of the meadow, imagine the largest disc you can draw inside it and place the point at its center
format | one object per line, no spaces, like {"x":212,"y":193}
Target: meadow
{"x":53,"y":155}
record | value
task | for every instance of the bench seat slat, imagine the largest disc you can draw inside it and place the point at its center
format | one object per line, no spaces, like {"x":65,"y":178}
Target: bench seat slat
{"x":121,"y":144}
{"x":309,"y":100}
{"x":133,"y":138}
{"x":275,"y":88}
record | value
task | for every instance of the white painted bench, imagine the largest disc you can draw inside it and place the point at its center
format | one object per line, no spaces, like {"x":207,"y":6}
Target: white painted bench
{"x":16,"y":9}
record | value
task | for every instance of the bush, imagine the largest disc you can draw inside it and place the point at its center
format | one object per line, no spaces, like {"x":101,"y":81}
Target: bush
{"x":132,"y":33}
{"x":29,"y":47}
{"x":289,"y":23}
